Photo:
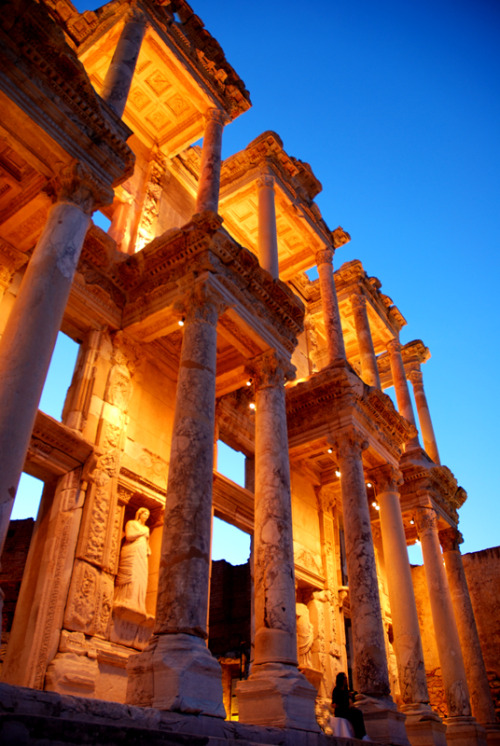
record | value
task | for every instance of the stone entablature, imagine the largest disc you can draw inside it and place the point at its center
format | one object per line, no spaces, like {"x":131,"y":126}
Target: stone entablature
{"x":426,"y":483}
{"x":186,"y":34}
{"x":335,"y":398}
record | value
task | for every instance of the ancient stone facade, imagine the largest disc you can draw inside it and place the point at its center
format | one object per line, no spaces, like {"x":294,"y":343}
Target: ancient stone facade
{"x":196,"y":321}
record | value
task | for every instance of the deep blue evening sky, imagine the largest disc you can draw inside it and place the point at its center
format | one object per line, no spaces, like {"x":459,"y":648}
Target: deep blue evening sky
{"x":396,"y":107}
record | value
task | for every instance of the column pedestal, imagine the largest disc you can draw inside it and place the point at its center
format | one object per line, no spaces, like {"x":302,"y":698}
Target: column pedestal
{"x":176,"y":672}
{"x":276,"y":692}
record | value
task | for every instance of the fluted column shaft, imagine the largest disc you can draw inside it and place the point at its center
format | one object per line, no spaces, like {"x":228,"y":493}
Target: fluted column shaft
{"x":407,"y":641}
{"x":403,"y":399}
{"x":268,"y":237}
{"x":445,"y":628}
{"x":211,"y":154}
{"x":330,"y":305}
{"x":424,"y":415}
{"x":480,"y":694}
{"x":33,"y":324}
{"x":369,"y":369}
{"x":370,"y":663}
{"x":121,"y":70}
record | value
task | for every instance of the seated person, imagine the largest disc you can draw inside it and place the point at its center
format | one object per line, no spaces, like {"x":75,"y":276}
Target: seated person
{"x":342,"y":702}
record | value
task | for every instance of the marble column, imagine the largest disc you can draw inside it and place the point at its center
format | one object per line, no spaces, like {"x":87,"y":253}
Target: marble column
{"x":403,"y":399}
{"x":480,"y":694}
{"x":330,"y":306}
{"x":121,"y":70}
{"x":209,"y":182}
{"x":370,"y":672}
{"x":268,"y":236}
{"x":276,"y":692}
{"x":462,"y":728}
{"x":369,"y":369}
{"x":424,"y":416}
{"x":422,"y":724}
{"x":34,"y":322}
{"x":176,"y":671}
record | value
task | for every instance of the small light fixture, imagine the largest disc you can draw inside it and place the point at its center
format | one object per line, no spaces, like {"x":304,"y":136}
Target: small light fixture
{"x":369,"y":485}
{"x":337,"y":473}
{"x":252,"y":406}
{"x":412,"y":522}
{"x":417,"y":542}
{"x":376,"y":505}
{"x":330,"y":450}
{"x":181,"y":321}
{"x":249,"y":382}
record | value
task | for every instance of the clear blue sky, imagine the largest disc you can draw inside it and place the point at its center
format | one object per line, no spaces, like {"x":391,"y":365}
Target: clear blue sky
{"x":396,"y":106}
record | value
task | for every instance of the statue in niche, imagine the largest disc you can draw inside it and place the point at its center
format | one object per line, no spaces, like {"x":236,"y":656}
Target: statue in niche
{"x":305,"y":635}
{"x":132,"y":579}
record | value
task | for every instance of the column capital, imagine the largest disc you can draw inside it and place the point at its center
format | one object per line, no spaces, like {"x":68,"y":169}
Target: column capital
{"x":215,"y":115}
{"x":387,"y":478}
{"x":270,"y":370}
{"x":265,"y":180}
{"x":340,"y":237}
{"x":76,"y":183}
{"x":325,"y":255}
{"x":426,"y":521}
{"x":358,"y":301}
{"x":135,"y":14}
{"x":201,"y":302}
{"x":416,"y":377}
{"x":348,"y":442}
{"x":393,"y":346}
{"x":450,"y":539}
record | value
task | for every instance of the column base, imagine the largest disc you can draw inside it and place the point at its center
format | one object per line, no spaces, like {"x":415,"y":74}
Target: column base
{"x":465,"y":731}
{"x":383,"y":722}
{"x":277,"y":695}
{"x":424,"y":727}
{"x":176,"y":672}
{"x":492,"y":733}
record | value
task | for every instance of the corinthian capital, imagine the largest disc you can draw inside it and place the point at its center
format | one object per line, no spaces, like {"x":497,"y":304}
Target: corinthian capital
{"x":387,"y":478}
{"x":270,"y":370}
{"x":416,"y":377}
{"x":450,"y":539}
{"x":215,"y":115}
{"x":265,"y":180}
{"x":393,"y":346}
{"x":348,"y":442}
{"x":358,"y":302}
{"x":325,"y":255}
{"x":202,"y":302}
{"x":426,"y":521}
{"x":76,"y":183}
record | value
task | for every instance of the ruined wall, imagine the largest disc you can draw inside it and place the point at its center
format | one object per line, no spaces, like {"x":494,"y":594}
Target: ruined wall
{"x":482,"y":570}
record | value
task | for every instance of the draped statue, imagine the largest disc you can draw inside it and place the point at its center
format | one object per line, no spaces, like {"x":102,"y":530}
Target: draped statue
{"x":132,"y":579}
{"x":305,"y":635}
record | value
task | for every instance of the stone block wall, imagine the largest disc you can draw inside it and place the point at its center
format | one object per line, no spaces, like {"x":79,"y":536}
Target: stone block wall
{"x":482,"y":570}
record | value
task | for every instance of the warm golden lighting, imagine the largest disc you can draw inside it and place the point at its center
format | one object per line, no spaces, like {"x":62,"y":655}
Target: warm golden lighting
{"x":252,"y":406}
{"x":330,"y":450}
{"x":375,"y":505}
{"x":369,"y":485}
{"x":337,"y":473}
{"x":181,"y":321}
{"x":249,"y":382}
